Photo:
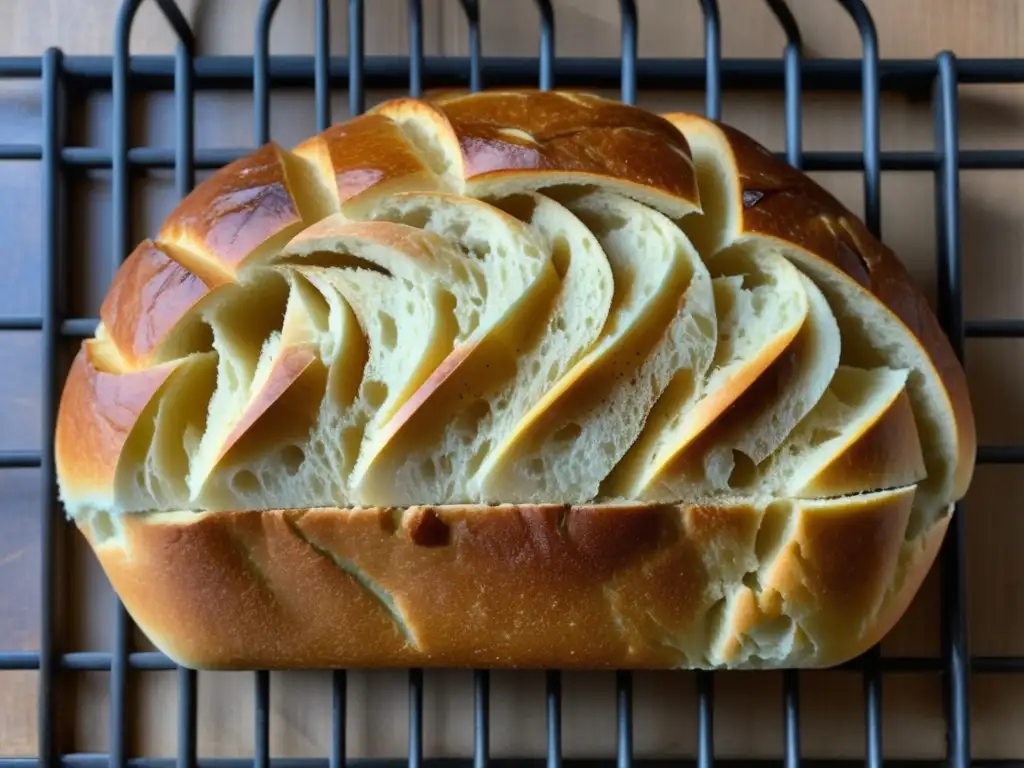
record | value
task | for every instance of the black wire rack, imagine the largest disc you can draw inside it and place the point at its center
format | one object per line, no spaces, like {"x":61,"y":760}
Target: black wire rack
{"x":64,"y":78}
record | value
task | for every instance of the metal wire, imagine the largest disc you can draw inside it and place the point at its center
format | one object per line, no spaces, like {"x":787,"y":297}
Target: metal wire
{"x":339,"y":706}
{"x":481,"y":718}
{"x":52,"y":306}
{"x":99,"y":760}
{"x":624,"y":706}
{"x":415,"y":718}
{"x":713,"y":110}
{"x":950,"y":312}
{"x":356,"y":81}
{"x":547,"y":44}
{"x":120,"y":248}
{"x":794,"y":144}
{"x":261,"y":59}
{"x":629,"y":53}
{"x":207,"y":159}
{"x":872,"y":218}
{"x":261,"y":724}
{"x":554,"y":718}
{"x":236,"y":73}
{"x":415,"y":11}
{"x":712,"y":59}
{"x":153,"y":661}
{"x":471,"y":9}
{"x":184,"y":180}
{"x":322,"y":62}
{"x":705,"y":719}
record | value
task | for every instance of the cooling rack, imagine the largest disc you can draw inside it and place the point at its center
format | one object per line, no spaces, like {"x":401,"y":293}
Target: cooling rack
{"x":67,"y":79}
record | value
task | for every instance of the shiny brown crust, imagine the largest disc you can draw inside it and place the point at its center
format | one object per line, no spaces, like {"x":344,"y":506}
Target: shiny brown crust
{"x":369,"y":153}
{"x":559,"y":134}
{"x":150,"y":295}
{"x":235,"y":213}
{"x":641,"y":586}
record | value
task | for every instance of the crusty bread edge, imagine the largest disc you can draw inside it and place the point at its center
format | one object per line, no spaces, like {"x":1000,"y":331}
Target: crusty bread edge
{"x":888,"y":280}
{"x":590,"y":587}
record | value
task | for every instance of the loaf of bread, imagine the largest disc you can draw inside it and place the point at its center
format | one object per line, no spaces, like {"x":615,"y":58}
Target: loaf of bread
{"x":514,"y":379}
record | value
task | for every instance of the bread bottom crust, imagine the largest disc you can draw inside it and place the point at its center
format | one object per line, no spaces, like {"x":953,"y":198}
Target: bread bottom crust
{"x":626,"y":586}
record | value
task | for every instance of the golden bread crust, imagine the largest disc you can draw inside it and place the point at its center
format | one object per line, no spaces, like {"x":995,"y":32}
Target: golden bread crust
{"x":548,"y":131}
{"x":150,"y":295}
{"x":636,"y":586}
{"x":538,"y":139}
{"x":95,"y":418}
{"x":235,"y":212}
{"x":370,"y":153}
{"x":286,"y":300}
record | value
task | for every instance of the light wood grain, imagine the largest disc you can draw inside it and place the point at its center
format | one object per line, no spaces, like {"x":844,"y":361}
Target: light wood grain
{"x":748,"y":708}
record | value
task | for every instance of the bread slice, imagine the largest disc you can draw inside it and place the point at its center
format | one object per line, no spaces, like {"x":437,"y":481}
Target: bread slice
{"x":762,"y":304}
{"x":574,"y":323}
{"x":254,"y":368}
{"x":152,"y":360}
{"x":754,"y":197}
{"x":261,"y":438}
{"x":861,"y":436}
{"x":722,"y":454}
{"x":658,"y":340}
{"x":132,"y":456}
{"x":433,"y":444}
{"x":374,"y":310}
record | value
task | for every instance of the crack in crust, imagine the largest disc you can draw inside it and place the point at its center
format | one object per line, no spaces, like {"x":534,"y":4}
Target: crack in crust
{"x":352,"y":571}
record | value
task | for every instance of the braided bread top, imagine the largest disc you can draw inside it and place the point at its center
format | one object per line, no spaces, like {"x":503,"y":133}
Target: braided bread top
{"x":511,"y":297}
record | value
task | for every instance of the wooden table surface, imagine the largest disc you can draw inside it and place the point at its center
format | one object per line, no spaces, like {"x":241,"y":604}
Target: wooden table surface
{"x":748,"y":714}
